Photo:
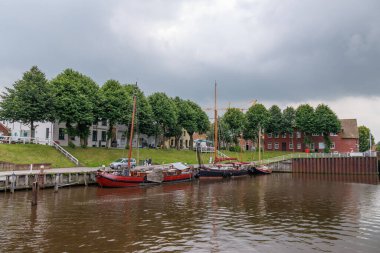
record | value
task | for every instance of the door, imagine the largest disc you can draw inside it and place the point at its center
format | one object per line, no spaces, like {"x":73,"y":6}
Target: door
{"x":283,"y":146}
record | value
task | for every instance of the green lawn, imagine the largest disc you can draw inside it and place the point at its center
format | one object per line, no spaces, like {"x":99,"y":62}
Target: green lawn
{"x":96,"y":157}
{"x":33,"y":153}
{"x":99,"y":156}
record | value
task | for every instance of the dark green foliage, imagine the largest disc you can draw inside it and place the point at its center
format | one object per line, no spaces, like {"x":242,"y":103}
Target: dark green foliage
{"x":234,"y":120}
{"x":305,"y":121}
{"x":326,"y":122}
{"x":164,"y":112}
{"x":201,"y":122}
{"x":144,"y":113}
{"x":76,"y":102}
{"x":116,"y":105}
{"x":288,"y":120}
{"x":235,"y":149}
{"x":275,"y":120}
{"x":364,"y":133}
{"x":256,"y":118}
{"x":30,"y":100}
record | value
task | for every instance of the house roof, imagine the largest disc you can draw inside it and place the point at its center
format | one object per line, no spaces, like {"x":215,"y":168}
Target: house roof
{"x":349,"y":129}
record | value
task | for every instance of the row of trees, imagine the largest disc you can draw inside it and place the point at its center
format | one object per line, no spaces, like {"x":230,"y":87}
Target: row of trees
{"x":78,"y":101}
{"x":305,"y":118}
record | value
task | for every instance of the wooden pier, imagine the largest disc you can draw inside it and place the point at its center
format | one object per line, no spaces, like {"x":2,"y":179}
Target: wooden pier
{"x":24,"y":179}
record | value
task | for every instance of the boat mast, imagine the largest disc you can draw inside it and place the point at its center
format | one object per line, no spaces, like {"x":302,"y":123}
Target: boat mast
{"x":215,"y":129}
{"x":131,"y":134}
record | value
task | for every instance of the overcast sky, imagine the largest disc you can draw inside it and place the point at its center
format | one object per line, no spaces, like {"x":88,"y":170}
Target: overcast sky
{"x":279,"y":52}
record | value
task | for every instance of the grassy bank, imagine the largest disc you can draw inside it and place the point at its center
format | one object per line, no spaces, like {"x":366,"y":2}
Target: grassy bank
{"x":99,"y":156}
{"x":33,"y":153}
{"x":95,"y":157}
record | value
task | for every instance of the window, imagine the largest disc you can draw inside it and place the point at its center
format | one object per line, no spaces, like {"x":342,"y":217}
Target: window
{"x":298,"y":135}
{"x":184,"y":133}
{"x":270,"y":136}
{"x":72,"y":138}
{"x":172,"y":142}
{"x":61,"y":134}
{"x":276,"y":145}
{"x":299,"y":145}
{"x":332,"y":145}
{"x":333,"y":134}
{"x":314,"y":134}
{"x":269,"y":145}
{"x":276,"y":135}
{"x":291,"y":145}
{"x":94,"y":135}
{"x":290,"y":135}
{"x":104,"y":122}
{"x":104,"y":135}
{"x":283,"y":135}
{"x":321,"y":145}
{"x":312,"y":146}
{"x":47,"y":133}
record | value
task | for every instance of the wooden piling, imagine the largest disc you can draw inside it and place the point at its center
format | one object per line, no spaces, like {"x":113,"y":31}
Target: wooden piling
{"x":56,"y":183}
{"x":34,"y":193}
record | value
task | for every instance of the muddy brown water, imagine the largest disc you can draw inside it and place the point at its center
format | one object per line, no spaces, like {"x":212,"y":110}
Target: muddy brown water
{"x":275,"y":213}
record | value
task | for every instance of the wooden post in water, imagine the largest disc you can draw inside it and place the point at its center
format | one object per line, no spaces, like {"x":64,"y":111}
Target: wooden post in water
{"x":85,"y":179}
{"x":13,"y":182}
{"x":34,"y":193}
{"x":56,"y":183}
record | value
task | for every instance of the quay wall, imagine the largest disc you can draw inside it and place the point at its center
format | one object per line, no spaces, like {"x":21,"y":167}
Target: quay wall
{"x":336,"y":165}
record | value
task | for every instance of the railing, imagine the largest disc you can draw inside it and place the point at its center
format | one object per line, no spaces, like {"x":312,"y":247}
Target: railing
{"x":204,"y":149}
{"x":66,"y":153}
{"x":316,"y":155}
{"x":24,"y":140}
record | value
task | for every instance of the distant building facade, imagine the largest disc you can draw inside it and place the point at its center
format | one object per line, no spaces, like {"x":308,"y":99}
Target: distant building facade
{"x":347,"y":140}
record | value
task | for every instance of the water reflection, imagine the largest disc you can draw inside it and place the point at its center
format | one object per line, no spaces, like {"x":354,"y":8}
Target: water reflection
{"x":277,"y":213}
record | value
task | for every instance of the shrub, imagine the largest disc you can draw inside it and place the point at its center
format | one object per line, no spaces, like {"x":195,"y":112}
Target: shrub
{"x":235,"y":149}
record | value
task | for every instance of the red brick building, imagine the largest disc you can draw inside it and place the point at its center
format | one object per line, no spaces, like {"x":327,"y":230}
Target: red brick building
{"x":347,"y":140}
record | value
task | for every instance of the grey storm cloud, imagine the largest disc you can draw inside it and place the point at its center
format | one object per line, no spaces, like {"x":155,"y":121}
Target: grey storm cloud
{"x":270,"y":50}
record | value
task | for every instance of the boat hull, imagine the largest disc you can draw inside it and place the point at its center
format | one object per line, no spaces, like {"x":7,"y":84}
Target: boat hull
{"x":259,"y":171}
{"x":218,"y":174}
{"x":116,"y":181}
{"x":177,"y":178}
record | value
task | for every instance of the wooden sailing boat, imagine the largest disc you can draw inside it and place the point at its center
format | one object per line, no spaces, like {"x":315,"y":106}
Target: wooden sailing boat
{"x":143,"y":176}
{"x":127,"y":178}
{"x":217,"y":169}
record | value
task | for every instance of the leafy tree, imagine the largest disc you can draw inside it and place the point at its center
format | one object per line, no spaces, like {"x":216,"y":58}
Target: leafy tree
{"x":326,"y":122}
{"x":144,"y":112}
{"x":187,"y":117}
{"x":116,"y":105}
{"x":29,"y":101}
{"x":305,"y":121}
{"x":234,"y":121}
{"x":364,"y":133}
{"x":202,"y":123}
{"x":164,"y":112}
{"x":288,"y":120}
{"x":378,"y":147}
{"x":77,"y":103}
{"x":257,"y":118}
{"x":275,"y":123}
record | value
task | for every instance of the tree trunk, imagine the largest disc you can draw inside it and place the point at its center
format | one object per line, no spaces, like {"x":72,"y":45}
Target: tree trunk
{"x":177,"y":142}
{"x":191,"y":144}
{"x":109,"y":135}
{"x":32,"y":130}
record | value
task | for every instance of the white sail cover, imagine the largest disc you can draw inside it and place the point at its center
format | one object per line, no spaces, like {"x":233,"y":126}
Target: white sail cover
{"x":179,"y":166}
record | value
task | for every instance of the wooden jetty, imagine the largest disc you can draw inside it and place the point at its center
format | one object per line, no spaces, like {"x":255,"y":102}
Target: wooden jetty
{"x":23,"y":179}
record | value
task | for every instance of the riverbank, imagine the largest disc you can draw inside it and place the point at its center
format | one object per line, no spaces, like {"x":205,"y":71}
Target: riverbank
{"x":96,"y":157}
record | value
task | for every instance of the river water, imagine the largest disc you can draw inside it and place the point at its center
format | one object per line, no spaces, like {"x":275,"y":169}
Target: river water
{"x":275,"y":213}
